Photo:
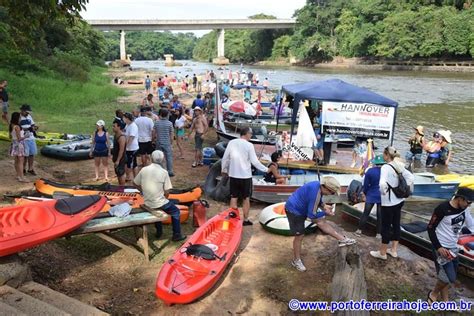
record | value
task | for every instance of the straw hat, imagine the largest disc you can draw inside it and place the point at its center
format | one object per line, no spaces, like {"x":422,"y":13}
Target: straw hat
{"x":446,"y":135}
{"x":419,"y":129}
{"x":332,"y":184}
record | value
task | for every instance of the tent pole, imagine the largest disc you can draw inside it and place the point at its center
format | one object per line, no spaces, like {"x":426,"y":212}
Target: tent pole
{"x":393,"y":129}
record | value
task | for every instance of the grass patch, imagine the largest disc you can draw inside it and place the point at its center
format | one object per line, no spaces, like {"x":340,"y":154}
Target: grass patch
{"x":65,"y":106}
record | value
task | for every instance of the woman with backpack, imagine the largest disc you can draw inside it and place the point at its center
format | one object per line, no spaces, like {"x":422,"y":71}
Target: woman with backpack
{"x":395,"y":185}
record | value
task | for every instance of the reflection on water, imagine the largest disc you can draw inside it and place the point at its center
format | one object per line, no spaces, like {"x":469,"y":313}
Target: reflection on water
{"x":435,"y":100}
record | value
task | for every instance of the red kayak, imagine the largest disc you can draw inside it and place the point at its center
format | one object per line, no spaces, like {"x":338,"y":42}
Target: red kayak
{"x":199,"y":263}
{"x":466,"y":244}
{"x":26,"y":226}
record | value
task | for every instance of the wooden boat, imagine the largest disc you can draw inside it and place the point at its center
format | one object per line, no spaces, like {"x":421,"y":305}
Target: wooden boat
{"x":413,"y":234}
{"x":26,"y":226}
{"x":197,"y":265}
{"x":425,"y":185}
{"x":48,"y":188}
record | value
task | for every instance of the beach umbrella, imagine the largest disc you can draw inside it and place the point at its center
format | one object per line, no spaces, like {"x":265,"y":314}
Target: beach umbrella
{"x":238,"y":106}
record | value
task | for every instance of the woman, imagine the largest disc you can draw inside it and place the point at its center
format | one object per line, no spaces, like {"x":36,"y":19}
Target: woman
{"x":446,"y":147}
{"x":433,"y":149}
{"x":273,"y":175}
{"x":18,"y":150}
{"x":180,"y":124}
{"x":100,"y":150}
{"x":416,"y":142}
{"x":391,"y":204}
{"x":372,"y":194}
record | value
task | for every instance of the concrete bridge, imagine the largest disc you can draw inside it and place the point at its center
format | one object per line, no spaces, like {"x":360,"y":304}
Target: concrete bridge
{"x":178,"y":25}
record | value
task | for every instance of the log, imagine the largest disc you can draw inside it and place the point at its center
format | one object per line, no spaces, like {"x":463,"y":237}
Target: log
{"x":348,"y":282}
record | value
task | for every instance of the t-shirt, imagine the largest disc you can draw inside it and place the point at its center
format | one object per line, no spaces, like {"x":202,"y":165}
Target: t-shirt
{"x":154,"y":181}
{"x":238,"y":159}
{"x":446,"y":224}
{"x":4,"y":95}
{"x":179,"y":123}
{"x":212,"y":87}
{"x":160,"y":83}
{"x":132,"y":131}
{"x":388,"y":176}
{"x":147,"y":82}
{"x":198,"y":102}
{"x":164,"y":130}
{"x":226,"y":89}
{"x":145,"y":129}
{"x":25,"y":123}
{"x":371,"y":185}
{"x":302,"y":201}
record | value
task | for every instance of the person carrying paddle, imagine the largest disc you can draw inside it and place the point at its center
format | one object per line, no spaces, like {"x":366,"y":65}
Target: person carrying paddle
{"x":154,"y":182}
{"x":444,"y":229}
{"x":307,"y":202}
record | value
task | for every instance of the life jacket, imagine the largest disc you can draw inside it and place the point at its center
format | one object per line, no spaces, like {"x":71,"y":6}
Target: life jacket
{"x":415,"y":144}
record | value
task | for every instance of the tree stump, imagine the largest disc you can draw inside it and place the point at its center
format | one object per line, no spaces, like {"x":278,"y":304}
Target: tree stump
{"x":348,"y":282}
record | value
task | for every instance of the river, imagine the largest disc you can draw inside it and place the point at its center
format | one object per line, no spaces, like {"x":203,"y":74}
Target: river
{"x":436,"y":100}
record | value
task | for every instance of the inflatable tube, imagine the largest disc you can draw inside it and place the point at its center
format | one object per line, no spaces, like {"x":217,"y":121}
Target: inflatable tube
{"x":273,"y":219}
{"x":211,"y":181}
{"x":78,"y":150}
{"x":220,"y":149}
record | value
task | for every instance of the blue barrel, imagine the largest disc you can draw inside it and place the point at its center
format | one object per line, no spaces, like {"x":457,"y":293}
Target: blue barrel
{"x":208,"y":155}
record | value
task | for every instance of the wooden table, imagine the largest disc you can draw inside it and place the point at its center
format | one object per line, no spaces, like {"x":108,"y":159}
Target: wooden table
{"x":103,"y":228}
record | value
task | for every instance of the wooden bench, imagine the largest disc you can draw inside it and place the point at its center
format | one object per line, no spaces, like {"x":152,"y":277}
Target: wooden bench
{"x":104,"y":226}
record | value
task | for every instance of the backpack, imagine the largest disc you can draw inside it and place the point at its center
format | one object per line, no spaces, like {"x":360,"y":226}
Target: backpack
{"x":354,"y":191}
{"x":401,"y":191}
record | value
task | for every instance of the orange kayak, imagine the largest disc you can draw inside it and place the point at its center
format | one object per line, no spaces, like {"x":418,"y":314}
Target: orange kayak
{"x":112,"y":192}
{"x":26,"y":226}
{"x":197,"y":265}
{"x":184,"y":210}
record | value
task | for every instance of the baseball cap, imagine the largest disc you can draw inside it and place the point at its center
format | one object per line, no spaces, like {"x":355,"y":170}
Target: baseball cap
{"x":100,"y":123}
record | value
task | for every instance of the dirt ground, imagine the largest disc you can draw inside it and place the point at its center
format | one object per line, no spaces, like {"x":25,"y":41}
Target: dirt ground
{"x":259,"y":281}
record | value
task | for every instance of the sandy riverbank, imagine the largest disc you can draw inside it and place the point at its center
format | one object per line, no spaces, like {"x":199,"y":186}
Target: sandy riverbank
{"x":260,"y":281}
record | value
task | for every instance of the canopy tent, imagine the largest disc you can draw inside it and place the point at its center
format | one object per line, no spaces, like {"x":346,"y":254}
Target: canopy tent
{"x":334,"y":90}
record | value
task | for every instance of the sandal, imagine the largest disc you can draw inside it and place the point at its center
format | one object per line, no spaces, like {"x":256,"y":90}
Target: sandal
{"x":194,"y":165}
{"x":429,"y":299}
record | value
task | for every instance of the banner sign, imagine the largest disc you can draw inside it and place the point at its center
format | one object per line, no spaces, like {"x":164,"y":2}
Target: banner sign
{"x":358,"y":119}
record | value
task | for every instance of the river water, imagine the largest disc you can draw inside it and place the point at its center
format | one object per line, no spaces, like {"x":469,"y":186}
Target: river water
{"x":436,"y":100}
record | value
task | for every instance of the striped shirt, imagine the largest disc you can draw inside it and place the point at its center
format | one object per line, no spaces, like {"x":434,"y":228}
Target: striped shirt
{"x":164,"y":130}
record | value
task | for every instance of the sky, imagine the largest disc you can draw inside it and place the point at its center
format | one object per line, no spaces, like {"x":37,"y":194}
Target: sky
{"x":188,"y":9}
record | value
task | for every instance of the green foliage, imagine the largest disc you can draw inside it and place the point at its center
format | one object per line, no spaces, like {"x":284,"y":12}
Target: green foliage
{"x":240,"y":45}
{"x":281,"y":47}
{"x":384,"y":28}
{"x":65,"y":105}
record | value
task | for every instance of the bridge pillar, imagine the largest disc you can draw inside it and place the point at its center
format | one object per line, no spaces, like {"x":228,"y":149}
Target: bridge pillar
{"x":220,"y":60}
{"x":123,"y":53}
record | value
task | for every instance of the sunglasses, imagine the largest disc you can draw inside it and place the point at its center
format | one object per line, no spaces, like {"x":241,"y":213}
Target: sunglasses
{"x":436,"y":135}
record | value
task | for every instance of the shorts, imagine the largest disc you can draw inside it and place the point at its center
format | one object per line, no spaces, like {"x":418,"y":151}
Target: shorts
{"x":180,"y":132}
{"x":446,"y":273}
{"x":240,"y":188}
{"x":320,"y":143}
{"x":131,"y":158}
{"x":409,"y":156}
{"x":296,"y":222}
{"x":120,"y":168}
{"x":5,"y":107}
{"x":100,"y":153}
{"x":31,"y":148}
{"x":198,"y":140}
{"x":145,"y":148}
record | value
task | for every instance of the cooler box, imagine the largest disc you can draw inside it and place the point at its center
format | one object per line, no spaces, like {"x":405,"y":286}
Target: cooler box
{"x":209,"y":156}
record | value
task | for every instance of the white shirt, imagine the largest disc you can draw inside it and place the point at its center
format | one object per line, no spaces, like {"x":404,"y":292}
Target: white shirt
{"x":132,"y":131}
{"x":212,"y":87}
{"x":238,"y":158}
{"x":389,"y":176}
{"x":179,"y":123}
{"x":154,"y":181}
{"x":145,"y":128}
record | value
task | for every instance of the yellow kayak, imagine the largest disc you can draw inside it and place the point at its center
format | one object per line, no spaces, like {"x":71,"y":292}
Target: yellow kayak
{"x":466,"y":180}
{"x":48,"y":138}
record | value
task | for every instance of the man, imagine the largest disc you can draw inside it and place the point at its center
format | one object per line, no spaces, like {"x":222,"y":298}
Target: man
{"x":198,"y":102}
{"x":131,"y":136}
{"x":444,"y":229}
{"x":199,"y":127}
{"x":154,"y":182}
{"x":119,"y":118}
{"x":28,"y":126}
{"x":147,"y":84}
{"x":4,"y":100}
{"x":145,"y":133}
{"x":237,"y":162}
{"x":306,"y":202}
{"x":195,"y":81}
{"x":160,"y":83}
{"x":163,"y":135}
{"x":118,"y":152}
{"x":212,"y":87}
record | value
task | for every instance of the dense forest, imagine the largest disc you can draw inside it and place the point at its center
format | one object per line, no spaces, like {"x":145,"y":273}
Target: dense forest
{"x":151,"y":45}
{"x":395,"y":29}
{"x":46,"y":36}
